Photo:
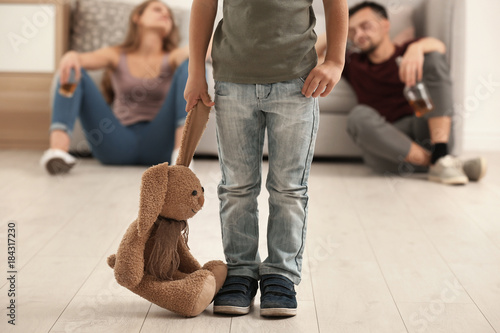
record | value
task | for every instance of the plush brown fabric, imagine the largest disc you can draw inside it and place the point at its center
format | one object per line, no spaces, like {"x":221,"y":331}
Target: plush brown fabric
{"x":153,"y":259}
{"x":196,"y":122}
{"x":164,"y":258}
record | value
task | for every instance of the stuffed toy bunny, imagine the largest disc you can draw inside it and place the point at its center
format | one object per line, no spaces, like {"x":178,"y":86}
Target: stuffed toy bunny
{"x":153,"y":259}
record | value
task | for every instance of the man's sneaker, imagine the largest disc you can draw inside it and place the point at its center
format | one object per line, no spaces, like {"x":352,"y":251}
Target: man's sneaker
{"x":475,"y":168}
{"x":448,"y":170}
{"x":236,"y":295}
{"x":277,"y":296}
{"x":57,"y":161}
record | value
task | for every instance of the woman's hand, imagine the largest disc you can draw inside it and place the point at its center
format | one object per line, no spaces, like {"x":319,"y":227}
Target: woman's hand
{"x":412,"y":65}
{"x":69,"y":60}
{"x":322,"y":79}
{"x":196,"y":90}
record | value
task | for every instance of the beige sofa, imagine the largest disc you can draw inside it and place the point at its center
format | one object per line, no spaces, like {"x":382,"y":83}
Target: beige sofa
{"x":442,"y":19}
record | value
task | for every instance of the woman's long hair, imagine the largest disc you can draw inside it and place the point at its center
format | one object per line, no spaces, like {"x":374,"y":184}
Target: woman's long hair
{"x":132,"y":42}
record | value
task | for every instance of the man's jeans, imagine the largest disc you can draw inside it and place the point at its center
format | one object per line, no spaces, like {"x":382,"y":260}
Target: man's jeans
{"x":243,"y":112}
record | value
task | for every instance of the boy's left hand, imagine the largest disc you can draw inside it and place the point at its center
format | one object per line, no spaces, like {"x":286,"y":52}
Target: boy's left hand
{"x":322,"y":79}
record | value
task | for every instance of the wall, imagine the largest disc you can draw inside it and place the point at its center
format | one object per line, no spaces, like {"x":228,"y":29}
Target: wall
{"x":482,"y":77}
{"x":179,"y":3}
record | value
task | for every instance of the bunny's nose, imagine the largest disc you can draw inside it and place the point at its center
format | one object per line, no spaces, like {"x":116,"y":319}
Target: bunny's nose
{"x":201,"y":200}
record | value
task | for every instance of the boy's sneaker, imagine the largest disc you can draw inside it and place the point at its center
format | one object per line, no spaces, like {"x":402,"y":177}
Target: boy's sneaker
{"x":57,"y":161}
{"x":277,"y":297}
{"x":475,"y":168}
{"x":448,"y":170}
{"x":236,"y":295}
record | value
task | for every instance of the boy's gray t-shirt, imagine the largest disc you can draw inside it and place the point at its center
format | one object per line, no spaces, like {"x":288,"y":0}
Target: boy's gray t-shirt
{"x":264,"y":41}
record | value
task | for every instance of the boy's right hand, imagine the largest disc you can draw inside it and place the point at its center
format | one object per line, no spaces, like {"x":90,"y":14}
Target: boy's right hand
{"x":68,"y":61}
{"x":196,"y":90}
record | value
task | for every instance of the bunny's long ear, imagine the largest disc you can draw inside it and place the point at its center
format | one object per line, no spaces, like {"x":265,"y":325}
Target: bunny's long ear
{"x":153,"y":191}
{"x":196,"y":122}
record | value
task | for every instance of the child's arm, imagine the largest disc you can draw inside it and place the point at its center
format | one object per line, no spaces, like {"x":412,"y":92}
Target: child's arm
{"x":321,"y":48}
{"x":324,"y":77}
{"x":200,"y":30}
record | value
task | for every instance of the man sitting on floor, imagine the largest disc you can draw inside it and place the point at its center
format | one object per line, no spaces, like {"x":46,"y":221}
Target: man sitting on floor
{"x":392,"y":138}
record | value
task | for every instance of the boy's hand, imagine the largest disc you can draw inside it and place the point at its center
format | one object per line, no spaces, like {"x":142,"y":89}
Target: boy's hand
{"x":322,"y":79}
{"x":196,"y":90}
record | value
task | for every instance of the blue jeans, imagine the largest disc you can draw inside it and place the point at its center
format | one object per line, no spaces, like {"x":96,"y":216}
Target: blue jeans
{"x":143,"y":143}
{"x":243,"y":112}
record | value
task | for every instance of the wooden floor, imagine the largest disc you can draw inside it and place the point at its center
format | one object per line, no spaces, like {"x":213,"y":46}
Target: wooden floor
{"x":384,"y":253}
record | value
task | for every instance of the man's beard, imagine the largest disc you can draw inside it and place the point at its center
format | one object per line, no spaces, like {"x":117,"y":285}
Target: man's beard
{"x":371,"y":49}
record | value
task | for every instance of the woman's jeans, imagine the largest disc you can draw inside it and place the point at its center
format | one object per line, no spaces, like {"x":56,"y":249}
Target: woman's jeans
{"x":243,"y":112}
{"x":143,"y":143}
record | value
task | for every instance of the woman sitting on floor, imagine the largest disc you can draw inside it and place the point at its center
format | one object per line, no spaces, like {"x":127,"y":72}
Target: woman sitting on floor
{"x":144,"y":83}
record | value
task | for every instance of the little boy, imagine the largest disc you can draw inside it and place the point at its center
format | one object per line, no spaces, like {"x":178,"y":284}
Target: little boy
{"x":266,"y":77}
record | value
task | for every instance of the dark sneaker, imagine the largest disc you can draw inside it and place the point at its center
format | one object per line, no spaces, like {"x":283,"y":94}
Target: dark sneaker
{"x":236,"y":295}
{"x":277,"y":297}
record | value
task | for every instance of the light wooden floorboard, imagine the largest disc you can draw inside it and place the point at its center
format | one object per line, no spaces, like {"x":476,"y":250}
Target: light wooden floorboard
{"x":116,"y":314}
{"x":351,"y":296}
{"x":159,"y":320}
{"x":482,"y":283}
{"x":444,"y":317}
{"x":383,"y":253}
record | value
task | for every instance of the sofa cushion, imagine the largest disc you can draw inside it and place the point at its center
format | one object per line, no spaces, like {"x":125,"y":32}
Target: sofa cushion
{"x":341,"y":100}
{"x":98,"y":23}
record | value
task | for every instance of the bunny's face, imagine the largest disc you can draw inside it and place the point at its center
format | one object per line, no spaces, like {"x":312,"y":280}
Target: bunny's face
{"x":185,"y":195}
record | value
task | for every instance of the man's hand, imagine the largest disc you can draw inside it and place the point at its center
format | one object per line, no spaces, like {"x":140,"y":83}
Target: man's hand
{"x":322,"y":79}
{"x":412,"y":65}
{"x":196,"y":90}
